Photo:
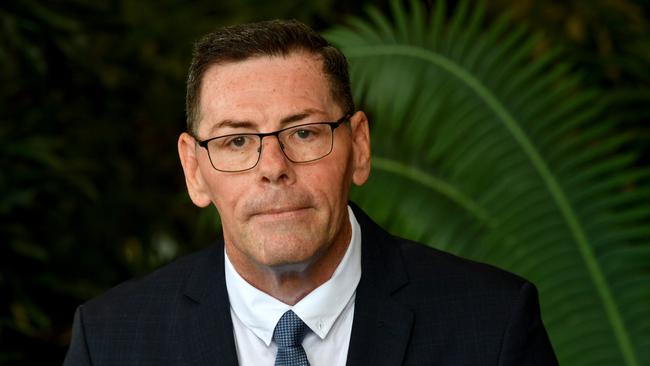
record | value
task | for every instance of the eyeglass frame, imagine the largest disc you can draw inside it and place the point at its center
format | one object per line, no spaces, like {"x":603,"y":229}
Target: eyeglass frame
{"x":261,"y":136}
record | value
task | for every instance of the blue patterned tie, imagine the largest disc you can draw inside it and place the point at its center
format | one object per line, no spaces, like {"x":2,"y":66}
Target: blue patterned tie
{"x":288,"y":335}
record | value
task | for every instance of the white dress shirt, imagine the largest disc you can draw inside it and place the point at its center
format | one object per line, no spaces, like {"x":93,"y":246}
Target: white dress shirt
{"x":328,"y":312}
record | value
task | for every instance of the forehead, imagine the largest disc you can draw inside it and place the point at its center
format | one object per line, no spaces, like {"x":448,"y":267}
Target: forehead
{"x":265,"y":89}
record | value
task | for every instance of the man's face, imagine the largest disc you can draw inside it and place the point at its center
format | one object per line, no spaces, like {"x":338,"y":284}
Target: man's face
{"x":278,"y":213}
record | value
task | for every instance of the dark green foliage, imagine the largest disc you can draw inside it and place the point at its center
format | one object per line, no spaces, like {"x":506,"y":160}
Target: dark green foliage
{"x":495,"y":154}
{"x":87,"y":161}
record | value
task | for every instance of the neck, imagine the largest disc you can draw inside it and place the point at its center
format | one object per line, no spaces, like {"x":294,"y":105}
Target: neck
{"x":290,"y":283}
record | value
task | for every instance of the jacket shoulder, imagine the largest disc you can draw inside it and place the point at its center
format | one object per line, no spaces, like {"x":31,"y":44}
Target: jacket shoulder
{"x":426,"y":264}
{"x":156,"y":290}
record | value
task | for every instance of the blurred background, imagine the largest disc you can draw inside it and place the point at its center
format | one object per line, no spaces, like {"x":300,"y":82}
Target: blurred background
{"x":92,"y":193}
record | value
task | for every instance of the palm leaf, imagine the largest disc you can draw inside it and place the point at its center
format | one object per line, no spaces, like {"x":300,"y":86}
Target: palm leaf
{"x":485,"y":151}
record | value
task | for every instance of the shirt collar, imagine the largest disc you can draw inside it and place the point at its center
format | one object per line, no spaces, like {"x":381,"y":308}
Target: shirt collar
{"x":260,"y":312}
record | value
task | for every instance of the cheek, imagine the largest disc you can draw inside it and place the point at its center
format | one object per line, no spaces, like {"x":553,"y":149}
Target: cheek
{"x":331,"y":183}
{"x":224,"y":193}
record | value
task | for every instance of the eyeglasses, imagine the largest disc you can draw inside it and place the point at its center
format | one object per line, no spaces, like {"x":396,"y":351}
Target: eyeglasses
{"x":300,"y":144}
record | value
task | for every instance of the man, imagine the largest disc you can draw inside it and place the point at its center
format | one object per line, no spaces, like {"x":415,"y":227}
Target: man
{"x":299,"y":277}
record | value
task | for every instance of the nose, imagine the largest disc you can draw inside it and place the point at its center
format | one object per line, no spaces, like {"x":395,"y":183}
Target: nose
{"x":273,"y":166}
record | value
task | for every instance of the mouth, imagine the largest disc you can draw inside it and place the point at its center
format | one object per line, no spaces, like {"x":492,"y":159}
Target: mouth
{"x":280,"y":213}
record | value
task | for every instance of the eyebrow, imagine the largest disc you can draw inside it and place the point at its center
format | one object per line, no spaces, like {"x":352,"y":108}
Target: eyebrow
{"x":250,"y":124}
{"x":232,"y":124}
{"x":298,"y":117}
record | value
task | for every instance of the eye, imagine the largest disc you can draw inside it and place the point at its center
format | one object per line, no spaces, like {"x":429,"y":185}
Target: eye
{"x":238,"y":141}
{"x":307,"y":133}
{"x":303,"y":133}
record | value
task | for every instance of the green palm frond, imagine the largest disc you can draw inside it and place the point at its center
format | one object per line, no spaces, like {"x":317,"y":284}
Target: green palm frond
{"x":485,"y":151}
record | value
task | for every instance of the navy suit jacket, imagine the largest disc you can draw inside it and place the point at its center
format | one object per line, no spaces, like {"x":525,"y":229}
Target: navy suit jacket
{"x":414,"y":306}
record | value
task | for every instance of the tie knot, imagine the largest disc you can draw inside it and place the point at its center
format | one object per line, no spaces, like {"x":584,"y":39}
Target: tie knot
{"x":290,"y":330}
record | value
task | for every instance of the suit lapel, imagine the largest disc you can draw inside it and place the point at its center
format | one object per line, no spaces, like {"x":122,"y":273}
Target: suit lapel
{"x":382,"y":327}
{"x":209,"y":337}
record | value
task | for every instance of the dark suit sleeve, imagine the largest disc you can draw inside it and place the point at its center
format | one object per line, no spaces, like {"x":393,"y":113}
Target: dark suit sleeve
{"x":525,"y":341}
{"x":78,"y":352}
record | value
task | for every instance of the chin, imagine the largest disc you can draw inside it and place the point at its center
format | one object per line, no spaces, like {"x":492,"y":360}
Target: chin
{"x":290,"y":254}
{"x":286,"y":256}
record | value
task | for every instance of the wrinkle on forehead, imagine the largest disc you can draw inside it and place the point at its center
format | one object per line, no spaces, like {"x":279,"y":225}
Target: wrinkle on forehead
{"x":266,"y":88}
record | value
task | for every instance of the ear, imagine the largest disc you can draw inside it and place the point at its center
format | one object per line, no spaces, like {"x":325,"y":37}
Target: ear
{"x":196,"y":184}
{"x":360,"y":148}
